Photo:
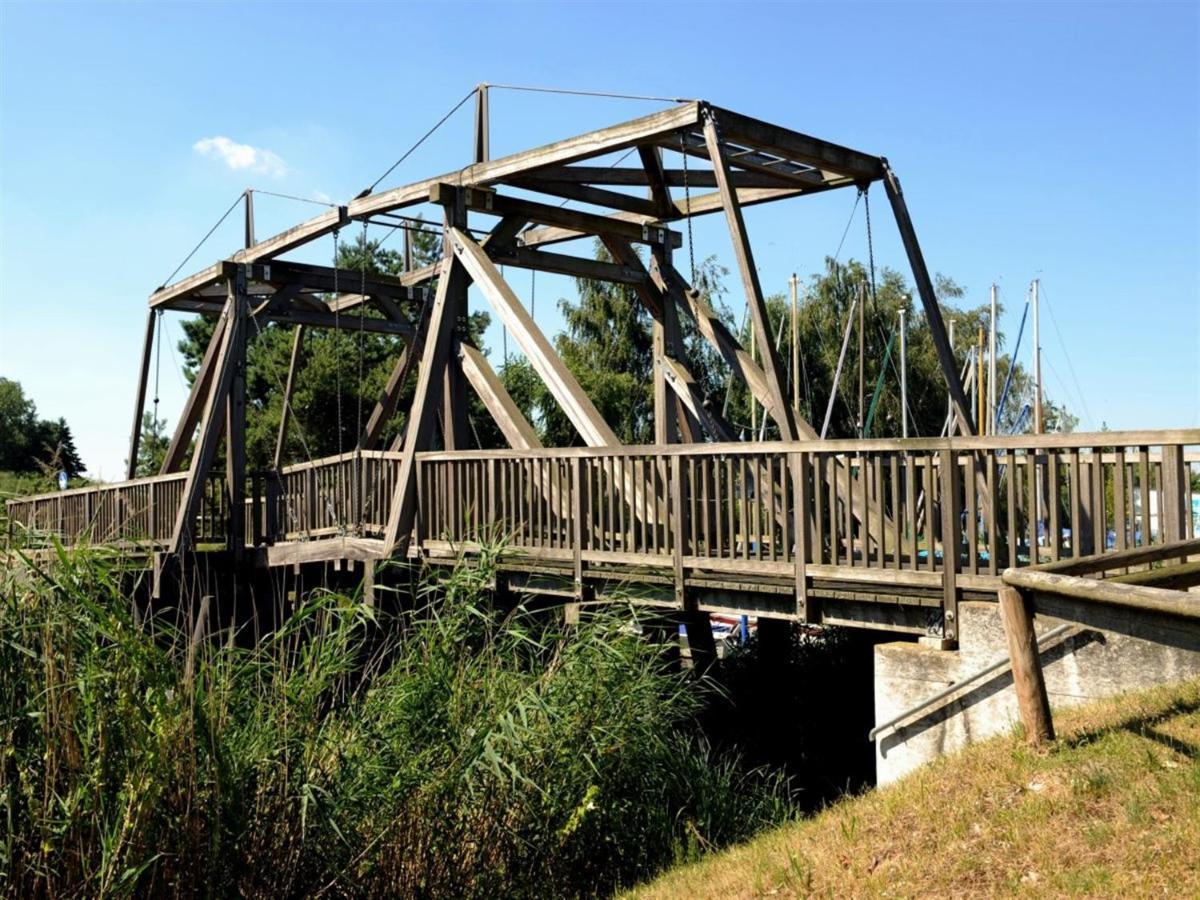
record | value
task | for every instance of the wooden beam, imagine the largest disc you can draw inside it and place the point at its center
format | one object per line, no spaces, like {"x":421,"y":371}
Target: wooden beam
{"x":135,"y":434}
{"x":455,"y":428}
{"x":503,"y":236}
{"x":235,"y":427}
{"x":782,"y":411}
{"x":656,"y":176}
{"x":296,"y":316}
{"x":485,"y":200}
{"x":795,"y":146}
{"x":572,"y":149}
{"x":230,"y":329}
{"x":1032,"y":701}
{"x":571,"y":190}
{"x":719,"y":336}
{"x":933,"y":311}
{"x":276,"y":275}
{"x":516,"y":429}
{"x":195,"y":403}
{"x":638,"y":177}
{"x":574,"y":266}
{"x":422,"y":415}
{"x":288,"y":389}
{"x":784,"y":173}
{"x":557,"y":377}
{"x":702,"y":205}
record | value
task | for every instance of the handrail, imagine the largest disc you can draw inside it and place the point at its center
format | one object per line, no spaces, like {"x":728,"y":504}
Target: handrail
{"x":99,"y":486}
{"x":1140,"y":598}
{"x":1181,"y":437}
{"x":1003,"y":663}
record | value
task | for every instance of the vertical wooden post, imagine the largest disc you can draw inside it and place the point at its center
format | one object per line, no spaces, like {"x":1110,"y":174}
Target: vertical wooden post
{"x":454,"y":389}
{"x":577,"y":530}
{"x":677,"y":530}
{"x":951,"y":541}
{"x":805,"y":607}
{"x":235,"y":423}
{"x":135,"y":435}
{"x":1028,"y":680}
{"x":482,"y":125}
{"x":1176,"y":493}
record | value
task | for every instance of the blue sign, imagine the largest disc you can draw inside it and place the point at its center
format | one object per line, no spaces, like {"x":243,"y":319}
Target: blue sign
{"x":62,"y":481}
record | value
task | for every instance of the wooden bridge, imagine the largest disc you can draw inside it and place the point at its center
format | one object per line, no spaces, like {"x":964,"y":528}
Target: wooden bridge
{"x":885,"y":534}
{"x":879,"y":533}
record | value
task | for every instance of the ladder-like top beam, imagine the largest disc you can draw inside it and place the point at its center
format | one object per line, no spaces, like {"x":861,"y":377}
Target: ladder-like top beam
{"x":822,"y":163}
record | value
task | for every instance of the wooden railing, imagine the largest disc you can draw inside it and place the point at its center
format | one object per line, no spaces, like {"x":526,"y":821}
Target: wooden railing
{"x":915,"y":509}
{"x":139,"y":512}
{"x":347,"y":494}
{"x":946,"y":514}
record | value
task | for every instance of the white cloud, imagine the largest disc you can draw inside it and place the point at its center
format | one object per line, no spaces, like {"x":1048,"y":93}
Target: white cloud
{"x":241,"y":157}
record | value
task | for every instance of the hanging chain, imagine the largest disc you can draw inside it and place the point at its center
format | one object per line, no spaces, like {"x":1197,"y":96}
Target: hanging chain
{"x":362,"y":306}
{"x":532,"y":293}
{"x":687,"y":195}
{"x":157,"y":367}
{"x":362,"y":310}
{"x":337,"y":328}
{"x":865,"y":192}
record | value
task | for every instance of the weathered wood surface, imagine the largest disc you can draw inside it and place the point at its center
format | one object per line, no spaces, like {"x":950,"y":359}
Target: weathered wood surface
{"x":1032,"y":701}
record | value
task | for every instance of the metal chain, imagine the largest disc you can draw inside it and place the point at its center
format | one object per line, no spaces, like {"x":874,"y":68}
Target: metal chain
{"x":532,"y":293}
{"x":157,"y":366}
{"x":362,"y":310}
{"x":687,"y":195}
{"x":362,"y":306}
{"x":337,"y":356}
{"x":870,"y":243}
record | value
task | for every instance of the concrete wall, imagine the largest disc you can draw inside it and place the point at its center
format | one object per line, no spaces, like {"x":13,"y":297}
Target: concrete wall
{"x":1086,"y":665}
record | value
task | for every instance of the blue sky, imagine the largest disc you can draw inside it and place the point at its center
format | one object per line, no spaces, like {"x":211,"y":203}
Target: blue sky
{"x":1056,"y":140}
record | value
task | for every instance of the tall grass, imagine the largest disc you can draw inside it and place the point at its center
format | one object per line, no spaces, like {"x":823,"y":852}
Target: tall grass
{"x":454,"y":749}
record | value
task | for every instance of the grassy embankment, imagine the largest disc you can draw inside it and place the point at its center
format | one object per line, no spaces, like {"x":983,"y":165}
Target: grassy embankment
{"x":1112,"y":809}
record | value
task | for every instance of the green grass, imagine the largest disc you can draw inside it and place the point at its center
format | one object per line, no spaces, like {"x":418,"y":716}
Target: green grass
{"x":1111,"y":809}
{"x":454,"y":750}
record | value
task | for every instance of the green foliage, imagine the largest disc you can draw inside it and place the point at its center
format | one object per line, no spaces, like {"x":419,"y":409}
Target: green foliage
{"x":152,"y":447}
{"x":31,"y":444}
{"x":459,"y":750}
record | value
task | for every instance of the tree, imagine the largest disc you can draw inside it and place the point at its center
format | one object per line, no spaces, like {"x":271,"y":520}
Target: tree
{"x":152,"y":447}
{"x":18,"y":426}
{"x":31,"y":444}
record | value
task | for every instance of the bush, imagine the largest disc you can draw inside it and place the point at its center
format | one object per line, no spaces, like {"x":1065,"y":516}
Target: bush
{"x":470,"y":751}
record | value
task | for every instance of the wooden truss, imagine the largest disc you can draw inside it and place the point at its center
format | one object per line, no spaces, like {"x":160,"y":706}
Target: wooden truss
{"x":744,"y":162}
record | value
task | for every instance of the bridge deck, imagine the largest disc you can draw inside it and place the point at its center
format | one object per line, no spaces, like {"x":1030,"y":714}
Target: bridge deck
{"x":872,"y":532}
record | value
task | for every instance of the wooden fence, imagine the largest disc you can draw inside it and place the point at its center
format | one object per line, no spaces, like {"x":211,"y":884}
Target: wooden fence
{"x":139,"y":512}
{"x":971,"y":506}
{"x":924,"y":512}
